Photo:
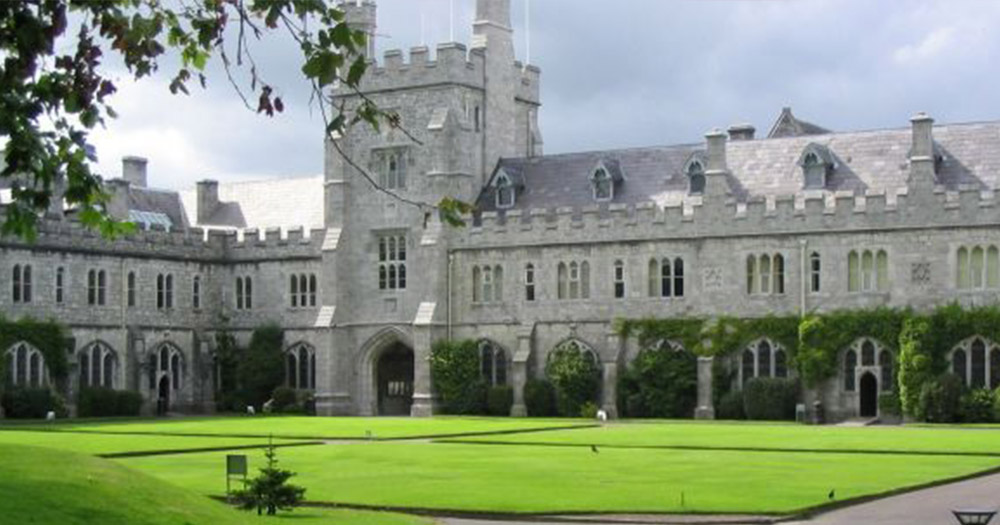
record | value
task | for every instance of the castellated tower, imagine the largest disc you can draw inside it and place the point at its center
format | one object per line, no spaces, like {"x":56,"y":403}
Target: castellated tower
{"x":461,"y":111}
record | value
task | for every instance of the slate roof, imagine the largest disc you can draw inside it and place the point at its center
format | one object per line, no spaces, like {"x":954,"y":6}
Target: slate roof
{"x":866,"y":161}
{"x":274,"y":203}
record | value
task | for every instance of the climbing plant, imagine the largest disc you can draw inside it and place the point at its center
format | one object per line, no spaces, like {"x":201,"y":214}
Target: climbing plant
{"x":49,"y":337}
{"x":823,"y":337}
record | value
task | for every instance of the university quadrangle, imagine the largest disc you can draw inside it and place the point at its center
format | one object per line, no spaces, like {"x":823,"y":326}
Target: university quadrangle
{"x":801,"y":220}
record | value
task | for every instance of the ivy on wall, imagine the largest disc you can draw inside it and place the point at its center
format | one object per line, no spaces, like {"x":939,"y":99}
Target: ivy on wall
{"x":49,"y":337}
{"x":821,"y":338}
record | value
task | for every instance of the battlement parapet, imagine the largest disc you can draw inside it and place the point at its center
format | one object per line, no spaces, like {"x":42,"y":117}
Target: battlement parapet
{"x":453,"y":63}
{"x":699,"y":217}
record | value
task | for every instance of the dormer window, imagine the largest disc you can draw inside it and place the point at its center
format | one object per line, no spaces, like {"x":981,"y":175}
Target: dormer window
{"x":696,"y":177}
{"x":506,"y":194}
{"x":817,"y":163}
{"x":603,"y":187}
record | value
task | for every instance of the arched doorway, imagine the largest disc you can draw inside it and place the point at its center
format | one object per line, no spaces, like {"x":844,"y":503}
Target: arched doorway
{"x":394,"y":377}
{"x":163,"y":396}
{"x":869,"y":395}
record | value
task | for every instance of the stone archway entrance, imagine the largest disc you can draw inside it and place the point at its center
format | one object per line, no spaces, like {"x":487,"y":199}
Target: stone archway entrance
{"x":869,"y":396}
{"x":394,"y":379}
{"x":163,"y":396}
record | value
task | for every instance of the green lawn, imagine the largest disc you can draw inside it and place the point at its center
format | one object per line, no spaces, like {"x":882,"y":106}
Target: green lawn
{"x":98,"y":444}
{"x":319,"y":427}
{"x":566,"y":479}
{"x":49,"y":487}
{"x":947,"y":440}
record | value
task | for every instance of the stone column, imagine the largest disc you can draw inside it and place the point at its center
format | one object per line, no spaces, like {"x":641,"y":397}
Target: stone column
{"x":609,"y":388}
{"x":423,"y":397}
{"x":519,"y":372}
{"x":706,"y":408}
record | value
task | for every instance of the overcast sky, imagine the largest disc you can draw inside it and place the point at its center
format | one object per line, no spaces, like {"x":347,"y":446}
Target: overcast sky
{"x":615,"y":73}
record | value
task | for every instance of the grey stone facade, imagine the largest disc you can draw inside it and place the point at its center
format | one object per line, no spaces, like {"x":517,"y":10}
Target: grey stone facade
{"x":883,"y":214}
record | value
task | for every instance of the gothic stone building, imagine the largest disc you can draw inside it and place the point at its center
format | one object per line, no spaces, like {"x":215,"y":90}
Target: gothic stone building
{"x":803,"y":220}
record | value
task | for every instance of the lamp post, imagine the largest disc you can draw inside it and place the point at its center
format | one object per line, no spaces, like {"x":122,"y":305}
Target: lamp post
{"x":974,"y":516}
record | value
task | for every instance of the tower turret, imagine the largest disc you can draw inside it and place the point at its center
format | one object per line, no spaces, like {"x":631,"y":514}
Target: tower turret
{"x":493,"y":36}
{"x":361,"y":15}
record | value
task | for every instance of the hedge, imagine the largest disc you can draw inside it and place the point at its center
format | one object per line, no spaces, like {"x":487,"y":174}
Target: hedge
{"x":540,"y":398}
{"x":31,"y":403}
{"x":660,"y":382}
{"x":500,"y":401}
{"x":105,"y":402}
{"x":576,"y":378}
{"x":770,"y":399}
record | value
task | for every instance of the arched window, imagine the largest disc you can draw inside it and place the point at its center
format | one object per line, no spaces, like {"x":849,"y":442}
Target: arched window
{"x":696,"y":178}
{"x":130,"y":289}
{"x":868,"y":271}
{"x":868,"y":353}
{"x":765,"y":274}
{"x":978,"y":351}
{"x":392,"y":262}
{"x":751,"y":274}
{"x":239,"y":293}
{"x":764,"y":359}
{"x":313,"y":289}
{"x":21,"y":283}
{"x":850,"y":366}
{"x":882,"y":271}
{"x":244,"y":293}
{"x":505,"y":192}
{"x":618,"y":278}
{"x":98,"y":365}
{"x":26,"y":366}
{"x":164,"y":291}
{"x":92,"y":287}
{"x":170,"y":291}
{"x":487,"y":293}
{"x":992,"y":267}
{"x":562,"y":281}
{"x":293,"y":290}
{"x":300,"y":372}
{"x":529,"y":282}
{"x":962,"y":269}
{"x":977,"y":265}
{"x":885,"y":362}
{"x":779,"y":274}
{"x":196,"y":292}
{"x":492,"y":363}
{"x":603,"y":185}
{"x":994,"y":368}
{"x":60,"y":283}
{"x":853,"y":272}
{"x":814,"y":171}
{"x":666,"y":278}
{"x":959,"y":365}
{"x":748,"y":366}
{"x":780,"y":364}
{"x":815,"y":268}
{"x":678,"y":277}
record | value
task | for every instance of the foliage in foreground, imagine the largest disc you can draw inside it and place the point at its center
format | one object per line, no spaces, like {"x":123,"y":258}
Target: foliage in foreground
{"x":270,"y":490}
{"x":456,"y":377}
{"x":576,"y":376}
{"x":661,"y":382}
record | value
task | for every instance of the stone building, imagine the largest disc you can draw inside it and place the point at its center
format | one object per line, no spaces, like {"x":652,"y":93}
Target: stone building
{"x":802,"y":220}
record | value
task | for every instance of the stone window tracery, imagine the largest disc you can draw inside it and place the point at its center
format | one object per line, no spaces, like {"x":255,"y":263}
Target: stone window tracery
{"x":302,"y":290}
{"x":164,"y":291}
{"x":976,"y":361}
{"x":300,"y":367}
{"x":492,"y":363}
{"x":25,"y":366}
{"x":392,"y":262}
{"x":666,"y":277}
{"x":21,"y":280}
{"x":762,"y":358}
{"x":487,"y":284}
{"x":867,"y":271}
{"x":618,"y":279}
{"x":98,"y":366}
{"x":766,"y":274}
{"x":244,"y":293}
{"x":96,"y":288}
{"x":978,"y":268}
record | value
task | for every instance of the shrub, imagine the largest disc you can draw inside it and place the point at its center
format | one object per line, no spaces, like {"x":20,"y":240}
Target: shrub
{"x":262,"y":368}
{"x":731,"y":406}
{"x":589,"y":410}
{"x":940,"y":399}
{"x":660,"y":383}
{"x":31,"y":403}
{"x":285,"y":399}
{"x":456,"y":377}
{"x":540,"y":398}
{"x":977,"y":406}
{"x":106,"y":402}
{"x":889,"y":405}
{"x":270,"y":490}
{"x":501,"y":398}
{"x":916,"y":368}
{"x":575,"y":376}
{"x":771,"y":399}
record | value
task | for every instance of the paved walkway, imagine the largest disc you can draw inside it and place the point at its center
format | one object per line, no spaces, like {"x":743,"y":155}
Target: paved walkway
{"x":924,"y":507}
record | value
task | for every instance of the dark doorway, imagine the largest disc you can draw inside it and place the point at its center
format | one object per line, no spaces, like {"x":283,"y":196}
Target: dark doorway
{"x":163,"y":396}
{"x":394,"y":376}
{"x":869,"y":395}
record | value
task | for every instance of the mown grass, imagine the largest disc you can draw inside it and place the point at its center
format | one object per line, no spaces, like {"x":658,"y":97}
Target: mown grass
{"x":533,"y":479}
{"x":317,"y":427}
{"x":102,"y":444}
{"x":49,"y":487}
{"x":940,"y":440}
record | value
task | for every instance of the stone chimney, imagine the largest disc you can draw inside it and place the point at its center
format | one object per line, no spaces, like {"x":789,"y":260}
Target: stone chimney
{"x":208,"y":199}
{"x":134,"y":171}
{"x":716,"y":184}
{"x":922,"y":161}
{"x":742,"y":132}
{"x":117,"y":205}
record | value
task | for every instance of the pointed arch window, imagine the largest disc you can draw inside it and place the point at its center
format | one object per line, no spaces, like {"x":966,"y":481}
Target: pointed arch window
{"x":25,"y":366}
{"x":492,"y":363}
{"x":977,"y":268}
{"x":506,"y":194}
{"x":300,"y":371}
{"x":815,"y":272}
{"x":978,"y":355}
{"x":817,"y":162}
{"x":766,"y":274}
{"x":21,"y":283}
{"x":666,"y":277}
{"x":867,"y":271}
{"x":98,"y":364}
{"x":529,"y":282}
{"x":886,"y":362}
{"x":604,"y":188}
{"x":850,"y":365}
{"x":696,"y":177}
{"x":619,"y":279}
{"x":60,"y":285}
{"x":959,"y":365}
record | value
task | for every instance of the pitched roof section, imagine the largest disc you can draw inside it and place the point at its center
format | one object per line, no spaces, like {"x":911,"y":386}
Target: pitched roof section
{"x":789,"y":126}
{"x":274,"y":203}
{"x":152,"y":204}
{"x":864,"y":161}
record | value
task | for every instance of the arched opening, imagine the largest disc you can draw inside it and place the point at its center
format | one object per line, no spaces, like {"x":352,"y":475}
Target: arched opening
{"x":869,"y":396}
{"x":394,"y":377}
{"x":163,"y":396}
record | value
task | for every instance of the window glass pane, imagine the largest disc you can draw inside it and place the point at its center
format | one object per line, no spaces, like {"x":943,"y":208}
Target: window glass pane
{"x":883,"y":271}
{"x":978,"y":364}
{"x":962,"y":263}
{"x":868,"y":354}
{"x":764,"y":359}
{"x":853,"y":273}
{"x":765,"y":274}
{"x":678,"y":277}
{"x":885,"y":361}
{"x":780,"y":366}
{"x":958,"y":365}
{"x":850,"y":364}
{"x":992,"y":267}
{"x":585,"y":280}
{"x":816,"y":265}
{"x":291,"y":370}
{"x":867,"y":271}
{"x":748,"y":366}
{"x":994,"y":368}
{"x":977,"y":264}
{"x":666,"y":278}
{"x":779,"y":274}
{"x":751,"y":274}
